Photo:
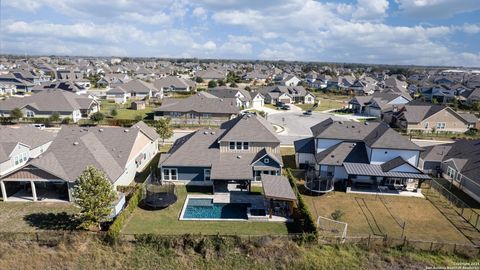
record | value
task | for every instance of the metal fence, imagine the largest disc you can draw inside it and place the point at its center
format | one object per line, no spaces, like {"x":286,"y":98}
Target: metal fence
{"x":439,"y":193}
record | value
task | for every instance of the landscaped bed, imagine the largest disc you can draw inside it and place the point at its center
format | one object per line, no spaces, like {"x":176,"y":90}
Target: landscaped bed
{"x":166,"y":222}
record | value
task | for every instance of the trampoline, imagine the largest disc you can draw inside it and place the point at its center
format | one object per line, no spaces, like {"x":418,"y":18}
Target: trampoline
{"x":159,"y":196}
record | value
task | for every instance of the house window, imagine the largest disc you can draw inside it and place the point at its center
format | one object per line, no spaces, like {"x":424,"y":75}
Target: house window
{"x":245,"y":145}
{"x":239,"y":145}
{"x":266,"y":160}
{"x":232,"y":145}
{"x":170,"y":174}
{"x":30,"y":114}
{"x":206,"y":174}
{"x":206,"y":115}
{"x":440,"y":125}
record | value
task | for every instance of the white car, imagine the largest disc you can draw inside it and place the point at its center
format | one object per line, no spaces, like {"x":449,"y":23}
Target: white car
{"x":39,"y":126}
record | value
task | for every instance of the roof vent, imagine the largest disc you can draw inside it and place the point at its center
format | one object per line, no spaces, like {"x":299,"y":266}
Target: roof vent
{"x":205,"y":132}
{"x":100,"y":130}
{"x":239,"y":157}
{"x":75,"y":143}
{"x":353,"y":126}
{"x":125,"y":130}
{"x":213,"y":132}
{"x":340,"y":122}
{"x":366,"y":123}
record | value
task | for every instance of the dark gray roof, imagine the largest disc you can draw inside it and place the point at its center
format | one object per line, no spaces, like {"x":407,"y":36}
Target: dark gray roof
{"x":466,"y":155}
{"x":469,"y":117}
{"x":173,"y":82}
{"x":393,"y":163}
{"x":435,"y":152}
{"x":343,"y":152}
{"x":49,"y":101}
{"x":306,"y":145}
{"x":374,"y":134}
{"x":277,"y":187}
{"x":415,"y":113}
{"x":376,"y":170}
{"x":136,"y":86}
{"x":250,"y":128}
{"x":200,"y":103}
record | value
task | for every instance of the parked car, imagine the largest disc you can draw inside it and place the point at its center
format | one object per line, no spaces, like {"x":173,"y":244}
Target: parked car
{"x":309,"y":112}
{"x":280,"y":104}
{"x":286,"y":107}
{"x":39,"y":126}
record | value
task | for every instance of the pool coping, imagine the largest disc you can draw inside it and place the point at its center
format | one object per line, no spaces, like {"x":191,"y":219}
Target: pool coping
{"x":204,"y":219}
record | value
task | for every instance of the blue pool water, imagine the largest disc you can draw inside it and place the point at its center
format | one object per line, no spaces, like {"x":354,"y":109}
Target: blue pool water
{"x":205,"y":208}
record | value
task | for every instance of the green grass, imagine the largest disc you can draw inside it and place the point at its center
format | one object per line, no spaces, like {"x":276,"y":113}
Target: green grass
{"x":124,"y":111}
{"x":166,"y":222}
{"x":368,"y":215}
{"x":34,"y":216}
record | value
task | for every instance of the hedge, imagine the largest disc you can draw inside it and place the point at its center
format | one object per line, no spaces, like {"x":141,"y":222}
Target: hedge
{"x":307,"y":223}
{"x":114,"y":231}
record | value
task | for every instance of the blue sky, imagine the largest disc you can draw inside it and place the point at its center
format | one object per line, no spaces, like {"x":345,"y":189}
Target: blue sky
{"x":421,"y":32}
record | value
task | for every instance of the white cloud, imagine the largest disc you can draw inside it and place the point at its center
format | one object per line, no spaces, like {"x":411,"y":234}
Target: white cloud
{"x":471,"y":28}
{"x":374,"y":10}
{"x":200,"y":13}
{"x":283,"y":51}
{"x":437,"y":8}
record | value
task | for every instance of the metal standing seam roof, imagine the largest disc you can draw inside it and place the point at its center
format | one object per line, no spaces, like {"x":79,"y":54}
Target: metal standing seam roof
{"x":277,"y":187}
{"x":376,"y":170}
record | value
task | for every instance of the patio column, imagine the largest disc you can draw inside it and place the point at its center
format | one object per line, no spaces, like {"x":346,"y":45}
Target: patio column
{"x":4,"y":191}
{"x":34,"y":191}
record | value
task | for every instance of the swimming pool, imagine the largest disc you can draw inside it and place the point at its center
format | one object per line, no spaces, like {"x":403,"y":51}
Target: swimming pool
{"x":204,"y":208}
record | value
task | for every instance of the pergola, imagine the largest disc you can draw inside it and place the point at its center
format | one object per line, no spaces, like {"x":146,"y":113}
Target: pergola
{"x":277,"y":188}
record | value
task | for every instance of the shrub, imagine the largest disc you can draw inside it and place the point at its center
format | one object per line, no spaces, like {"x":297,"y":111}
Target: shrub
{"x":337,"y":214}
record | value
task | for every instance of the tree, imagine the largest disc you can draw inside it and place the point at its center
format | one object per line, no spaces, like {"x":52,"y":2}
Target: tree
{"x":198,"y":80}
{"x":66,"y":120}
{"x":16,"y":114}
{"x":164,"y":128}
{"x":476,"y":106}
{"x":97,"y":117}
{"x":94,"y":195}
{"x":212,"y":84}
{"x":233,"y":85}
{"x":55,"y":117}
{"x":248,"y":88}
{"x":113,"y":112}
{"x":221,"y":83}
{"x":138,"y":117}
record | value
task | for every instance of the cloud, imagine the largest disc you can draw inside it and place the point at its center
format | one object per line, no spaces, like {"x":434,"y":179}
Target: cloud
{"x":374,"y":10}
{"x":437,"y":8}
{"x":200,"y":13}
{"x":471,"y":28}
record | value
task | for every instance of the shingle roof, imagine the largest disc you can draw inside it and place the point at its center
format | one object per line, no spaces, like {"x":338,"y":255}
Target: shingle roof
{"x":201,"y":103}
{"x":174,"y":82}
{"x":250,"y":128}
{"x":374,"y":134}
{"x":75,"y":148}
{"x":28,"y":135}
{"x":49,"y":101}
{"x":277,"y":187}
{"x":466,"y":155}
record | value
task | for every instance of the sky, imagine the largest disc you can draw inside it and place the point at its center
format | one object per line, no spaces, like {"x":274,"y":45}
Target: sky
{"x":419,"y":32}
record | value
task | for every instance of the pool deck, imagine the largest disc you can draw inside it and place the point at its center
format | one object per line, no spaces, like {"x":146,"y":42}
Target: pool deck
{"x":256,"y":202}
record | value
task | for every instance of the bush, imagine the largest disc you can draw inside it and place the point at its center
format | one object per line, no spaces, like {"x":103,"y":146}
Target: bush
{"x":305,"y":220}
{"x":337,"y":214}
{"x":114,"y":231}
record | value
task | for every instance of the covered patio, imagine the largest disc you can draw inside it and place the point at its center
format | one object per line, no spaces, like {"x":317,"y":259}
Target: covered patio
{"x":33,"y":184}
{"x":280,"y":195}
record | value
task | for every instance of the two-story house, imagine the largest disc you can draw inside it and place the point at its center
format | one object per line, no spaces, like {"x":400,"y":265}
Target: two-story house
{"x":367,"y":155}
{"x":239,"y":151}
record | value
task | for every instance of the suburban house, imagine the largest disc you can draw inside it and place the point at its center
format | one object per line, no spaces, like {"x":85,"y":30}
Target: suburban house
{"x":243,"y":98}
{"x":112,"y":78}
{"x":285,"y":94}
{"x":175,"y":84}
{"x":430,"y":118}
{"x":119,"y":152}
{"x":377,"y":103}
{"x":239,"y":151}
{"x":69,"y":86}
{"x":136,"y":89}
{"x":18,"y":144}
{"x":211,"y":74}
{"x":457,"y":162}
{"x":199,"y":108}
{"x":21,"y":85}
{"x":286,"y":80}
{"x":7,"y":89}
{"x":360,"y":156}
{"x":48,"y":102}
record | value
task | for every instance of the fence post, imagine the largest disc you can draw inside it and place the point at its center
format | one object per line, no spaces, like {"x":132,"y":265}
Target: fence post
{"x":431,"y":246}
{"x":368,"y":241}
{"x":454,"y":248}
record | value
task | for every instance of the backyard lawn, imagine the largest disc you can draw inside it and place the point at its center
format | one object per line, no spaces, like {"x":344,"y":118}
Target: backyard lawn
{"x":370,"y":215}
{"x":30,"y":217}
{"x":330,"y":103}
{"x":124,"y":111}
{"x":166,"y":222}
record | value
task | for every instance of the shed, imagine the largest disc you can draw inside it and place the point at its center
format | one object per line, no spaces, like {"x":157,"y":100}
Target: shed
{"x":138,"y":105}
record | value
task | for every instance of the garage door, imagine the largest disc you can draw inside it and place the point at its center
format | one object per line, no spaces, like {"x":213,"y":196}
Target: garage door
{"x":258,"y":103}
{"x":285,"y":100}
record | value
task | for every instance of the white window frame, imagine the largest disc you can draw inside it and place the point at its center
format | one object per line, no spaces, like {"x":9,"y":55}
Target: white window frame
{"x":168,"y":177}
{"x":245,"y":146}
{"x":232,"y":145}
{"x":207,"y":175}
{"x":441,"y":125}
